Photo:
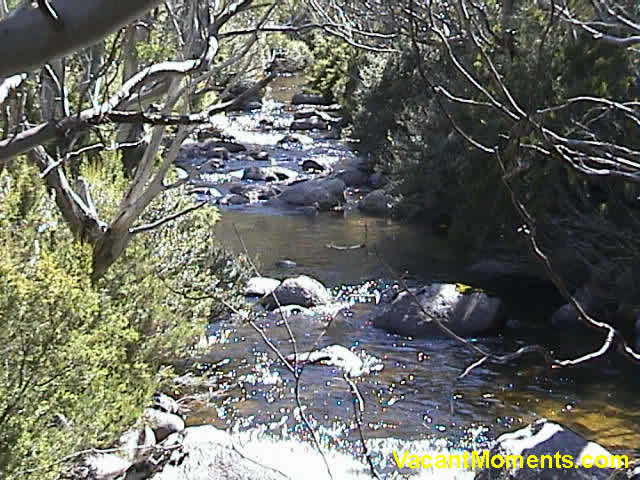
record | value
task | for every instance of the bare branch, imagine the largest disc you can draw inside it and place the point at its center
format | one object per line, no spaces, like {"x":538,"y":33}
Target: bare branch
{"x":167,"y":219}
{"x":9,"y":84}
{"x":29,"y":38}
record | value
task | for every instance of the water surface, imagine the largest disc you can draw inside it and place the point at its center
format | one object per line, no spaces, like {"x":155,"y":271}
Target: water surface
{"x":418,"y":394}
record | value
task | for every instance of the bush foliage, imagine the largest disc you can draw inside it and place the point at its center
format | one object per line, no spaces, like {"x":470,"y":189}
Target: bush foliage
{"x":81,"y":359}
{"x":402,"y":125}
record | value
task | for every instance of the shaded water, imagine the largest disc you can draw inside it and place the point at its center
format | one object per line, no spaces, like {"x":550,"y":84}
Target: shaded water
{"x":305,"y":239}
{"x":417,"y":395}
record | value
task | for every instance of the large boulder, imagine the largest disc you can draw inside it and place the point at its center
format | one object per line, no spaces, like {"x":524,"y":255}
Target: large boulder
{"x":163,"y":424}
{"x":375,"y":203}
{"x":467,"y":313}
{"x":567,"y":316}
{"x":317,"y":164}
{"x":259,"y":155}
{"x":554,"y":442}
{"x":353,"y":177}
{"x":136,"y":443}
{"x":101,"y":466}
{"x":324,"y":193}
{"x":165,"y":403}
{"x":260,"y":286}
{"x":304,"y":291}
{"x":377,"y":180}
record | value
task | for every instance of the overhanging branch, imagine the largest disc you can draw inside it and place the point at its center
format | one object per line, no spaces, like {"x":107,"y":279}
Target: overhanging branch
{"x":28,"y":38}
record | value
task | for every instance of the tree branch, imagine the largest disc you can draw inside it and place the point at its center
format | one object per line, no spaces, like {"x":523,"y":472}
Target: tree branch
{"x":28,"y":38}
{"x":167,"y":219}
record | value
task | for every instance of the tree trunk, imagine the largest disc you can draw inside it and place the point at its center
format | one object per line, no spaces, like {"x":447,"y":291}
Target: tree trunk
{"x":130,"y":136}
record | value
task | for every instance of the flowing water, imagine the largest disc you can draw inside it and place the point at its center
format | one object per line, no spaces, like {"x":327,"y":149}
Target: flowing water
{"x":417,"y":395}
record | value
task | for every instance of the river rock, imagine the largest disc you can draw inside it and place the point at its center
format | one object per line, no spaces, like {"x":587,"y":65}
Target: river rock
{"x":202,"y":161}
{"x":467,"y":314}
{"x":304,"y":291}
{"x":231,"y":147}
{"x":252,"y":106}
{"x":334,"y":134}
{"x":388,"y":295}
{"x":306,"y":113}
{"x":165,"y":403}
{"x":101,"y":466}
{"x":353,"y":177}
{"x":341,"y":357}
{"x":546,"y":438}
{"x":324,"y":193}
{"x":163,"y":424}
{"x":313,"y":123}
{"x":309,"y":99}
{"x":233,"y":199}
{"x":310,"y":113}
{"x":205,"y":149}
{"x":255,"y":191}
{"x":204,"y":452}
{"x":287,"y":311}
{"x":260,"y":156}
{"x":136,"y":443}
{"x":293,"y":139}
{"x":377,"y":180}
{"x":198,"y":189}
{"x":266,"y":124}
{"x":260,"y":286}
{"x":268,"y":174}
{"x":375,"y":203}
{"x":566,"y":317}
{"x":207,"y":132}
{"x":286,"y":263}
{"x":316,"y":164}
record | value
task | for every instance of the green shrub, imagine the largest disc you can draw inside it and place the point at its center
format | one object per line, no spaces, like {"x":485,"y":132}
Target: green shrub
{"x":92,"y":354}
{"x":330,"y":72}
{"x":583,"y":221}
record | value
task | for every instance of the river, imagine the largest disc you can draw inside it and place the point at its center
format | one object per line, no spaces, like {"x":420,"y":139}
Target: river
{"x":417,"y":395}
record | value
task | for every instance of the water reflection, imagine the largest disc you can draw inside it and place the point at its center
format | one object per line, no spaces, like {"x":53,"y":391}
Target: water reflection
{"x":304,"y":239}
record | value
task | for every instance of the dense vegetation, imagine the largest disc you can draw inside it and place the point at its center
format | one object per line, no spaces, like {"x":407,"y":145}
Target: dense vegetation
{"x":80,"y":359}
{"x":412,"y":110}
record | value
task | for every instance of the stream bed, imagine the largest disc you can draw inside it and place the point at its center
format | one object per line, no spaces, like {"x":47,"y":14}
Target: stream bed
{"x":417,"y":396}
